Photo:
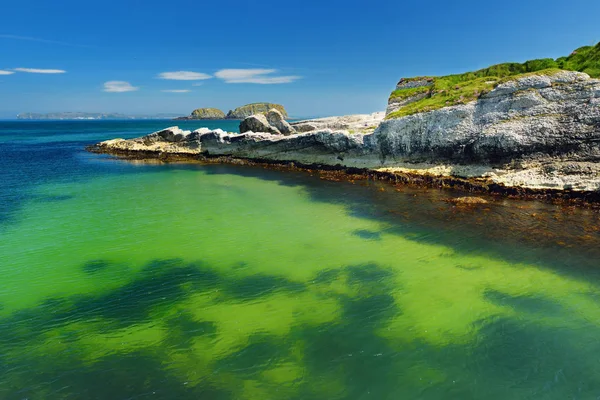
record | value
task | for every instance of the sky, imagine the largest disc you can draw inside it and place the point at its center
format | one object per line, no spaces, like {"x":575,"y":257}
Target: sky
{"x":317,"y":58}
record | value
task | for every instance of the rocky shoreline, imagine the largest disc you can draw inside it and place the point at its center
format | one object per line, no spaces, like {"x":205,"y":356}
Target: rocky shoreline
{"x":537,"y":136}
{"x":465,"y":186}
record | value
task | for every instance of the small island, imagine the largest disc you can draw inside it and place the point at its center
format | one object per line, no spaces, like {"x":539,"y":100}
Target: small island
{"x":203,"y":113}
{"x":242,"y":112}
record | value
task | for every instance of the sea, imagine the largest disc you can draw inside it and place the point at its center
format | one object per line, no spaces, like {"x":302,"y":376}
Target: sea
{"x":145,"y":280}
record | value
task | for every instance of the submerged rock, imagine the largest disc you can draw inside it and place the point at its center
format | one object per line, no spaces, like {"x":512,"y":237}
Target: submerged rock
{"x":467,"y":200}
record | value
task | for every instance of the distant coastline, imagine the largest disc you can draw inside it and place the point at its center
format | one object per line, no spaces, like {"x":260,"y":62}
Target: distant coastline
{"x":88,"y":116}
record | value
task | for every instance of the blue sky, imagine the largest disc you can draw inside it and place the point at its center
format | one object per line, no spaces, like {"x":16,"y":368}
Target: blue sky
{"x":315,"y":57}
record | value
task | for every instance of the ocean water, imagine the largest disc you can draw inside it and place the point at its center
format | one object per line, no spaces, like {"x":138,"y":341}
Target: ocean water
{"x":133,"y":280}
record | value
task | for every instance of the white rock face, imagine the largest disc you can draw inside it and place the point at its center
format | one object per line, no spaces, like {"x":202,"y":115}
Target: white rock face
{"x":360,"y":123}
{"x":535,"y":116}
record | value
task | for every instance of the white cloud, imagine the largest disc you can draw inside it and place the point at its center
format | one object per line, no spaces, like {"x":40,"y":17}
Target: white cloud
{"x":177,"y":91}
{"x":2,"y":72}
{"x":198,"y":84}
{"x":119,"y":87}
{"x":41,"y":71}
{"x":258,"y":76}
{"x":184,"y":76}
{"x":32,"y":39}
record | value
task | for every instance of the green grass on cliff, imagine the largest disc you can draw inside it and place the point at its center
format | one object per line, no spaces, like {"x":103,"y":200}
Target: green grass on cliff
{"x":464,"y":88}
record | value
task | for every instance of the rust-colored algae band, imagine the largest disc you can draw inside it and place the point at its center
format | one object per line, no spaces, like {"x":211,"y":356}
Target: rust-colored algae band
{"x":341,"y":173}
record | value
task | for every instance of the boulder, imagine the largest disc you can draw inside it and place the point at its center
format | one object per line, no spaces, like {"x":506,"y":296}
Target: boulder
{"x":258,"y":123}
{"x":276,"y":120}
{"x":171,"y":134}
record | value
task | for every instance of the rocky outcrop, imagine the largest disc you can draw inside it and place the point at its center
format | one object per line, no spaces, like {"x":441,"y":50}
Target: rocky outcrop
{"x":255,"y":108}
{"x":203,"y":113}
{"x":258,"y":123}
{"x":532,"y":117}
{"x":322,"y":147}
{"x":276,"y":120}
{"x":401,"y":97}
{"x":271,"y":122}
{"x":359,"y":123}
{"x":536,"y":131}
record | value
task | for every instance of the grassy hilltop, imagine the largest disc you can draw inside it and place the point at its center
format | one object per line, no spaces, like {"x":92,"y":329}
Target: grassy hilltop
{"x":463,"y":88}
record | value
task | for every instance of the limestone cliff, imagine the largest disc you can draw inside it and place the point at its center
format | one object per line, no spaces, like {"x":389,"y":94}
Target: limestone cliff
{"x":255,"y":108}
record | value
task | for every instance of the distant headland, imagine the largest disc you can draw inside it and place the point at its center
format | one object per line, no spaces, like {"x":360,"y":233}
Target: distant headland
{"x":89,"y":116}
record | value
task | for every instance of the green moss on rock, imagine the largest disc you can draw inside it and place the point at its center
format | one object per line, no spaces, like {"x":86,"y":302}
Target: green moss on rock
{"x":463,"y":88}
{"x":401,"y":94}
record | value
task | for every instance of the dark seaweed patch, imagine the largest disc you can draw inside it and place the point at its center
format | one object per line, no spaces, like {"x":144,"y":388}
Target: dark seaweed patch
{"x":368,"y":274}
{"x":367,"y":234}
{"x":53,"y":198}
{"x":327,"y":276}
{"x":93,"y":266}
{"x":261,"y":352}
{"x":371,"y":309}
{"x":523,"y":303}
{"x":256,"y":286}
{"x":138,"y":374}
{"x":183,"y":328}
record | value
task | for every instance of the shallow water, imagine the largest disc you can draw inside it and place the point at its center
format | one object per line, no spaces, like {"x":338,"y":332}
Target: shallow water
{"x":130,"y":280}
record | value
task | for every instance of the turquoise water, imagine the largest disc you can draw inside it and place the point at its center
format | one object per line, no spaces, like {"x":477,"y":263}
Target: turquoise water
{"x":128,"y":280}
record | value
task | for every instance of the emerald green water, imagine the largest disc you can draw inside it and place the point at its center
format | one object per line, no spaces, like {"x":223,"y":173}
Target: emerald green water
{"x":124,"y":280}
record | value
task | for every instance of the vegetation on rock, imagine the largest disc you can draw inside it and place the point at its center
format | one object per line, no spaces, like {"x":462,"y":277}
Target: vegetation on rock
{"x":207,"y":113}
{"x":463,"y":88}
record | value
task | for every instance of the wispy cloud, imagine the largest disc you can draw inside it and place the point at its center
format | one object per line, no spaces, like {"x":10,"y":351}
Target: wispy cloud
{"x":184,"y":76}
{"x":257,"y":75}
{"x":33,"y":39}
{"x":119,"y":87}
{"x":2,"y":72}
{"x":176,"y":91}
{"x":40,"y":71}
{"x":198,"y":84}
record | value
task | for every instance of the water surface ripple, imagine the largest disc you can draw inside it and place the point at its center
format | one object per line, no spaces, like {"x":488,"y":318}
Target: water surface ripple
{"x":126,"y":280}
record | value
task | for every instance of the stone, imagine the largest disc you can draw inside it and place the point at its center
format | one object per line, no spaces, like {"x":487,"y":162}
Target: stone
{"x":258,"y":123}
{"x":276,"y":120}
{"x":171,"y":134}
